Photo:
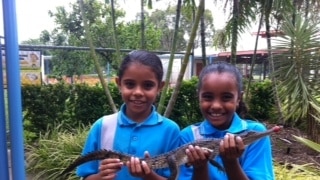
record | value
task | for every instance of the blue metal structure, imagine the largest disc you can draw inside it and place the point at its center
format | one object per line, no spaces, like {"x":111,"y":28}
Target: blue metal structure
{"x":14,"y":98}
{"x":3,"y":130}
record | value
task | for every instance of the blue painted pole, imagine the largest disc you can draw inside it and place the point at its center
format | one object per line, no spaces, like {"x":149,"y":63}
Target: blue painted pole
{"x":14,"y":89}
{"x":4,"y":168}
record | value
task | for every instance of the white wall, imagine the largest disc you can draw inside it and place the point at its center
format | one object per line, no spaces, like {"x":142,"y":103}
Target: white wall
{"x":176,"y":66}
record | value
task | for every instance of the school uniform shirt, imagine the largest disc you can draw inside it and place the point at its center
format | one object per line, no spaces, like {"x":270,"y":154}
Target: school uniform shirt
{"x":156,"y":134}
{"x":256,"y":161}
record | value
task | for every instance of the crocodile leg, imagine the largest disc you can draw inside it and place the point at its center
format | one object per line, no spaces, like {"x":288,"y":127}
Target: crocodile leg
{"x":173,"y":167}
{"x":213,"y":162}
{"x":217,"y":165}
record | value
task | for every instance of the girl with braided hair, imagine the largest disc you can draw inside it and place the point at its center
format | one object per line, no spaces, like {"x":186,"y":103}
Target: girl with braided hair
{"x":220,"y":97}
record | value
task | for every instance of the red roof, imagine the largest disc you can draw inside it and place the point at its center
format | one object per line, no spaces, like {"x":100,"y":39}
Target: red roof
{"x":248,"y":52}
{"x":273,"y":33}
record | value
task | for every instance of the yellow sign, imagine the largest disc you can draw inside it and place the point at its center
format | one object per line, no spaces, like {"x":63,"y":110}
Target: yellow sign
{"x":30,"y":67}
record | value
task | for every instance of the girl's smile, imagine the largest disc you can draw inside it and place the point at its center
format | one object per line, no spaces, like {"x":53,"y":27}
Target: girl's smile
{"x":219,"y":98}
{"x":139,"y":87}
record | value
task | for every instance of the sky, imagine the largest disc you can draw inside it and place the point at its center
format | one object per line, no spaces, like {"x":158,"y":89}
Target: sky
{"x":33,"y":17}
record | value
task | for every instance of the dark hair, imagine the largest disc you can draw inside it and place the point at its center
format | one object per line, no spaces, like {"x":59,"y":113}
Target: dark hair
{"x":145,"y":58}
{"x":225,"y":67}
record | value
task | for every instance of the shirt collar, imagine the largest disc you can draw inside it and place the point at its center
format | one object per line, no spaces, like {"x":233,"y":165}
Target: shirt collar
{"x":153,"y":118}
{"x":237,"y":125}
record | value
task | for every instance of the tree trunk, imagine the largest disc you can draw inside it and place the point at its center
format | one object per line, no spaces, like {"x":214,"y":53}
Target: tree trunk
{"x":203,"y":38}
{"x":307,"y":9}
{"x":313,"y":126}
{"x":95,"y":59}
{"x":115,"y":37}
{"x":254,"y":58}
{"x":271,"y":64}
{"x":172,"y":54}
{"x":185,"y":61}
{"x":143,"y":42}
{"x":234,"y":43}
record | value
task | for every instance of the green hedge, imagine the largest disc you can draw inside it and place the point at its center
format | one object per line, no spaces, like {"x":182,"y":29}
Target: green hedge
{"x":80,"y":104}
{"x":261,"y":101}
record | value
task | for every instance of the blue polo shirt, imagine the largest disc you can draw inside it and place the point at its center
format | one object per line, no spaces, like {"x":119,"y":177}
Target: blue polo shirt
{"x":256,"y":161}
{"x":156,"y":134}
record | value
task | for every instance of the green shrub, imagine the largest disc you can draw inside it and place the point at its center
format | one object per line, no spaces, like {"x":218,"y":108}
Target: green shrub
{"x":261,"y":101}
{"x":297,"y":172}
{"x":77,"y":104}
{"x":186,"y":110}
{"x":65,"y":104}
{"x":44,"y":105}
{"x":54,"y":151}
{"x":83,"y":104}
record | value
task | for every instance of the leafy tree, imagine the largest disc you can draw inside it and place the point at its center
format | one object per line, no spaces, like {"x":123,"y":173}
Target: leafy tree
{"x":70,"y":63}
{"x":185,"y":60}
{"x":166,"y":20}
{"x":130,"y":40}
{"x":69,"y":32}
{"x":32,"y":42}
{"x":188,"y":18}
{"x":94,"y":57}
{"x":45,"y":36}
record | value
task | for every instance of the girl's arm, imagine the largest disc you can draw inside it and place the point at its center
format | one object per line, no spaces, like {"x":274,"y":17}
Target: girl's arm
{"x":107,"y":170}
{"x":198,"y":158}
{"x":231,"y":149}
{"x":142,"y":170}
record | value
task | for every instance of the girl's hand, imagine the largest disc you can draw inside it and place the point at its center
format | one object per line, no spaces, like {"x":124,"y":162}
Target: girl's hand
{"x":197,"y":156}
{"x":137,"y":168}
{"x":231,"y":147}
{"x":109,"y":167}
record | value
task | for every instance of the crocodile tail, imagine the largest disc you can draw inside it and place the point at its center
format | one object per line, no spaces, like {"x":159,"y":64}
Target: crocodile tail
{"x":96,"y":155}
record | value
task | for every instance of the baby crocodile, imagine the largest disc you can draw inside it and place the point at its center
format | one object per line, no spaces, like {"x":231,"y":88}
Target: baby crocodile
{"x":172,"y":159}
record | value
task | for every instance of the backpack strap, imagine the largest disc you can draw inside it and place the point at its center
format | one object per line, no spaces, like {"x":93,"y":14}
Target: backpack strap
{"x":108,"y":130}
{"x":196,"y":132}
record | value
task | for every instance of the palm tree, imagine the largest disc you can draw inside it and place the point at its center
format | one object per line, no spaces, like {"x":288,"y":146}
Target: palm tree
{"x":234,"y":34}
{"x":295,"y":69}
{"x":94,"y":57}
{"x":242,"y":16}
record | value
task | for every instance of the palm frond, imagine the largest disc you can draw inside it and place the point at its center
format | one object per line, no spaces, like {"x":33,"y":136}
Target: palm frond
{"x":295,"y":54}
{"x":308,"y":143}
